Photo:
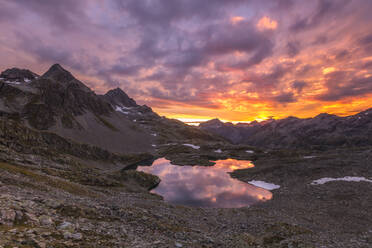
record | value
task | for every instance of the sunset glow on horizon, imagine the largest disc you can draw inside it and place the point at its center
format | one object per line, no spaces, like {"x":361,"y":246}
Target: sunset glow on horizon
{"x":193,"y":60}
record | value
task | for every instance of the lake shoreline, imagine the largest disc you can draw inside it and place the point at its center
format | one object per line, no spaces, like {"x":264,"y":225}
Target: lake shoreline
{"x":110,"y":209}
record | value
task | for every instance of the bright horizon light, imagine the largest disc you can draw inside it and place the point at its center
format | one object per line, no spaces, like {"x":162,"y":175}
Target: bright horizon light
{"x":238,"y":61}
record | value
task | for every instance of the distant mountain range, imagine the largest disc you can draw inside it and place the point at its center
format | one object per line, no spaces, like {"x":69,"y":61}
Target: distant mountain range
{"x":59,"y":103}
{"x":322,"y":131}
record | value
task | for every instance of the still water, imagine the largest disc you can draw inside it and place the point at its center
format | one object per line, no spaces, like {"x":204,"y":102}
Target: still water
{"x":205,"y":186}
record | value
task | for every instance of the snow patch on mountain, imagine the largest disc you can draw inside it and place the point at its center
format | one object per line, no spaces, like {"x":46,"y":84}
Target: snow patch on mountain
{"x":192,"y":146}
{"x":346,"y":179}
{"x":264,"y":185}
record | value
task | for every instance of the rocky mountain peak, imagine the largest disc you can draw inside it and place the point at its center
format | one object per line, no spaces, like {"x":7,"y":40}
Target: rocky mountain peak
{"x":323,"y":116}
{"x":58,"y":73}
{"x":366,"y":112}
{"x":322,"y":131}
{"x":116,"y":92}
{"x":118,"y":97}
{"x":63,"y":78}
{"x":19,"y":75}
{"x":214,"y":123}
{"x":57,"y":96}
{"x":56,"y":68}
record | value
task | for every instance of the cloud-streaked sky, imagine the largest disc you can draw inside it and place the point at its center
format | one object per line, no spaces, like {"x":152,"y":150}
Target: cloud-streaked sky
{"x":237,"y":60}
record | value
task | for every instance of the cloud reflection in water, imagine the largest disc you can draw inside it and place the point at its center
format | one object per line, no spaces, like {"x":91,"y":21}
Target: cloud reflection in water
{"x":205,"y":186}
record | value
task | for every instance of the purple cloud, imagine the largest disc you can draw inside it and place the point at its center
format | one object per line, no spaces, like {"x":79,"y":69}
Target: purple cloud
{"x":191,"y":52}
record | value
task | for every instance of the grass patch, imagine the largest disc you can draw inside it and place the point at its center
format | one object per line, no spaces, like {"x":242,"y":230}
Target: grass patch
{"x":83,"y":176}
{"x":66,"y":120}
{"x":143,"y":179}
{"x":107,"y":123}
{"x":53,"y":182}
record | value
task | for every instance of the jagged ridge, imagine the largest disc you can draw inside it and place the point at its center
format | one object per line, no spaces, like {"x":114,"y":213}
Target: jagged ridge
{"x":324,"y":130}
{"x":60,"y":103}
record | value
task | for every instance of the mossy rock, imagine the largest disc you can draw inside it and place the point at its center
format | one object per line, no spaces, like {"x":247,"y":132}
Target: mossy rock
{"x":107,"y":123}
{"x":278,"y":232}
{"x":185,"y":159}
{"x":143,"y":179}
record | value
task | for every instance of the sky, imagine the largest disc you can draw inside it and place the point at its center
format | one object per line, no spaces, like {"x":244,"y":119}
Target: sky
{"x":236,"y":60}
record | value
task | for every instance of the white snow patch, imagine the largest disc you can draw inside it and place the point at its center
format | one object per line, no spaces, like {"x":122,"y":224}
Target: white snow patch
{"x":264,"y":185}
{"x":153,"y":145}
{"x":192,"y":146}
{"x":249,"y":151}
{"x":27,"y":80}
{"x":346,"y":179}
{"x":1,"y":78}
{"x":15,"y":82}
{"x":307,"y":157}
{"x":154,"y":134}
{"x":218,"y":151}
{"x":134,"y":120}
{"x":120,"y":109}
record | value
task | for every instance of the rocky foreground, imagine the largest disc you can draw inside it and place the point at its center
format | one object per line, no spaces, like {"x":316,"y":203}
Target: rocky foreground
{"x":64,"y":201}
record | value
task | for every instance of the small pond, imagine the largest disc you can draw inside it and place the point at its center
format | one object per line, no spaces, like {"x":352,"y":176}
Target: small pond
{"x":205,"y":186}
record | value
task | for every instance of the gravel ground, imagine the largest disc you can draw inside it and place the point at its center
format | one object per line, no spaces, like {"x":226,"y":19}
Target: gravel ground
{"x":62,"y":202}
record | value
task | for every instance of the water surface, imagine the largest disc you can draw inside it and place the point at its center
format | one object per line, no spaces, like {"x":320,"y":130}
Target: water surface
{"x":205,"y":186}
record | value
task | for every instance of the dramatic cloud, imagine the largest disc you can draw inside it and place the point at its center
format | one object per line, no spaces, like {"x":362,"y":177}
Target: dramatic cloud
{"x":236,"y":60}
{"x":341,"y":84}
{"x":299,"y":86}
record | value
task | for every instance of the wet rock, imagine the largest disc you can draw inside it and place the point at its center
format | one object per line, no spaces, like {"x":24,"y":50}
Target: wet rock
{"x":52,"y":203}
{"x":75,"y":236}
{"x":19,"y":216}
{"x":45,"y":220}
{"x":40,"y":244}
{"x":7,"y":216}
{"x":178,"y":245}
{"x":66,"y":226}
{"x":31,"y":218}
{"x":145,"y":180}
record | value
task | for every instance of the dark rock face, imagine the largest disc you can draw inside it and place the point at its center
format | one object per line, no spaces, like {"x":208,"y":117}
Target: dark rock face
{"x":19,"y":75}
{"x":214,"y":123}
{"x":322,"y":131}
{"x":226,"y":130}
{"x":72,"y":98}
{"x":61,"y":96}
{"x":117,"y":97}
{"x":58,"y":74}
{"x":60,"y":103}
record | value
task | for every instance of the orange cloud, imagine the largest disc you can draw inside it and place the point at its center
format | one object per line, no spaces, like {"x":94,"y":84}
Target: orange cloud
{"x":265,"y":23}
{"x":238,"y":109}
{"x":236,"y":19}
{"x":328,"y":70}
{"x":191,"y":64}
